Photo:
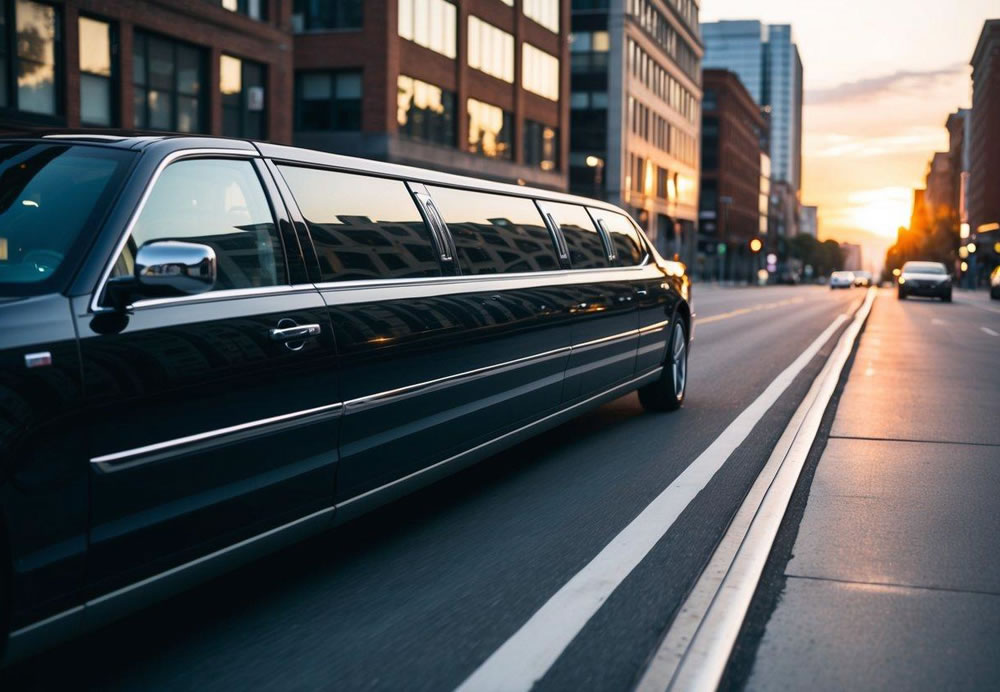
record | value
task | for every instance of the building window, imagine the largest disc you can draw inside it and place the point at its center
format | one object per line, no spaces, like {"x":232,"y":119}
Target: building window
{"x":425,"y":112}
{"x":243,"y":97}
{"x":328,"y":101}
{"x":541,"y":145}
{"x":545,"y":12}
{"x":491,"y":49}
{"x":318,"y":15}
{"x":539,"y":72}
{"x":97,"y":44}
{"x":429,"y":23}
{"x":491,"y":130}
{"x":255,"y":9}
{"x":589,"y":51}
{"x":168,"y":78}
{"x":31,"y":44}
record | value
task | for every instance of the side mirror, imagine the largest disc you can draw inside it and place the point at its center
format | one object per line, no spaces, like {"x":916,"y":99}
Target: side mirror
{"x":173,"y":268}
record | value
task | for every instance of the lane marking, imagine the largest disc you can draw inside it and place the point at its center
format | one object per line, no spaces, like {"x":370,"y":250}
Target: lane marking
{"x":939,"y":322}
{"x":697,"y":647}
{"x":974,"y":304}
{"x":527,"y":655}
{"x":743,"y":311}
{"x":989,"y":331}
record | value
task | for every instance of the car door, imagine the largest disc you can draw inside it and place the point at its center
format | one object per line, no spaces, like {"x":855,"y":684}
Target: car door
{"x":603,"y":310}
{"x":436,"y":355}
{"x":207,"y":424}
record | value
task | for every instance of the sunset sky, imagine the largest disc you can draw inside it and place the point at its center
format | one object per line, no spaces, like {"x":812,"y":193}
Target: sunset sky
{"x":881,"y":77}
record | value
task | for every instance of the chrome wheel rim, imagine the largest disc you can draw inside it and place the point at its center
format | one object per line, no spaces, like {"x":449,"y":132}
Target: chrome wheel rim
{"x":679,"y":349}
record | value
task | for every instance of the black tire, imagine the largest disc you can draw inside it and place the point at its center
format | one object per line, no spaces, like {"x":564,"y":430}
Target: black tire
{"x":946,"y":297}
{"x":667,"y":393}
{"x":900,"y":294}
{"x":995,"y":293}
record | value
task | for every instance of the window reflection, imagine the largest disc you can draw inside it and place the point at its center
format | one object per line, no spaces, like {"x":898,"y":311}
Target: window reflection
{"x":539,"y":72}
{"x":490,"y":130}
{"x":586,"y":250}
{"x":241,"y":83}
{"x":36,"y":57}
{"x":624,"y":238}
{"x":429,"y":23}
{"x":545,"y":12}
{"x":221,"y":204}
{"x":167,"y":77}
{"x":95,"y":72}
{"x":491,"y":49}
{"x":495,"y":234}
{"x":425,"y":112}
{"x":363,"y":227}
{"x":541,"y":145}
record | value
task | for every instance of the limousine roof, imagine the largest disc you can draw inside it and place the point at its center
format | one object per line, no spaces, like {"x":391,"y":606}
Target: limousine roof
{"x":165,"y":143}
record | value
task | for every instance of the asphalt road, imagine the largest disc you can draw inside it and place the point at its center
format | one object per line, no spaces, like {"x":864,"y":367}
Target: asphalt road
{"x":419,"y":594}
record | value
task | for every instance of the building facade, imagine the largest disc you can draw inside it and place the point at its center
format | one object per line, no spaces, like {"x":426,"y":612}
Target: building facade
{"x":766,"y":59}
{"x":220,"y":67}
{"x":809,"y":221}
{"x":636,"y":113}
{"x":940,"y":193}
{"x":984,"y":147}
{"x":733,"y":207}
{"x":479,"y":87}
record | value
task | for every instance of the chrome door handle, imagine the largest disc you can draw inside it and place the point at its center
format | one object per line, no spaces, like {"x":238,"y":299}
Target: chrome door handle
{"x":299,"y":331}
{"x":641,"y":292}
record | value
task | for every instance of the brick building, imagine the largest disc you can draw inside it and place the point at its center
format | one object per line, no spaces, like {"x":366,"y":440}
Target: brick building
{"x":469,"y":86}
{"x":733,"y":206}
{"x":221,"y":67}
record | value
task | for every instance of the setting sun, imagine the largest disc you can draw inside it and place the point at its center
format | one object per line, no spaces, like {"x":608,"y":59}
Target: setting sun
{"x":881,"y":211}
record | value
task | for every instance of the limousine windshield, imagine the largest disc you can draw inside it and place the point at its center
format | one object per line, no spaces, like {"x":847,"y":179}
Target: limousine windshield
{"x":52,"y":198}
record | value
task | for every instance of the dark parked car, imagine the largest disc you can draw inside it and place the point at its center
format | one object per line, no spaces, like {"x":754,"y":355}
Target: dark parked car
{"x":930,"y":279}
{"x":995,"y":283}
{"x":210,"y":348}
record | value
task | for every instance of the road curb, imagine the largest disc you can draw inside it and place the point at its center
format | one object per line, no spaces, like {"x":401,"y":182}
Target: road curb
{"x":696,"y":649}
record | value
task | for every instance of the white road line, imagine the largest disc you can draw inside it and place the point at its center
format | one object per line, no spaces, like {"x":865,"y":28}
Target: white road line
{"x":694,"y":653}
{"x":989,"y":331}
{"x":524,"y":658}
{"x":940,"y":323}
{"x":973,"y":304}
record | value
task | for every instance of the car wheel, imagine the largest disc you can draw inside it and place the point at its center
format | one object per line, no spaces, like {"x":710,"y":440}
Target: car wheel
{"x":995,"y":293}
{"x":900,"y":294}
{"x":667,"y":393}
{"x":946,"y":297}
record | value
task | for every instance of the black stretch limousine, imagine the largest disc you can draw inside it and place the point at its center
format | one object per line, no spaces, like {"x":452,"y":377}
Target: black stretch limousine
{"x":210,"y":348}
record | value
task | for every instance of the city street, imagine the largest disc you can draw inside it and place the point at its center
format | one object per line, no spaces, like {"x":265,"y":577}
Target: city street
{"x":423,"y":592}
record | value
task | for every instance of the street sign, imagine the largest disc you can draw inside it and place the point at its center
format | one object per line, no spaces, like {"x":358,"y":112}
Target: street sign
{"x":721,"y":248}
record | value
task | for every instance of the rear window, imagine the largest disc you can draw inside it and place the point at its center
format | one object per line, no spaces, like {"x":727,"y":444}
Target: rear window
{"x":496,"y":234}
{"x":362,"y":227}
{"x":924,"y":268}
{"x":52,"y":199}
{"x":629,"y":250}
{"x":586,"y":250}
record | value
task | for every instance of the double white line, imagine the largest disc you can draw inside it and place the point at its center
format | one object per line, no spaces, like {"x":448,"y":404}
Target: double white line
{"x":529,"y":653}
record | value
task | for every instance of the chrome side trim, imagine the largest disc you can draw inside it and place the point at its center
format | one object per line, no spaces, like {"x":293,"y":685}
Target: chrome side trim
{"x":650,"y":328}
{"x":116,"y":604}
{"x":380,"y":398}
{"x":360,"y":504}
{"x":167,"y":160}
{"x":120,"y":460}
{"x":606,"y":339}
{"x":228,"y":294}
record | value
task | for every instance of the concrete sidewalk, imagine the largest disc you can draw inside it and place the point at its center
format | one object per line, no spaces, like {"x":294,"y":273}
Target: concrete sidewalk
{"x":894,"y":579}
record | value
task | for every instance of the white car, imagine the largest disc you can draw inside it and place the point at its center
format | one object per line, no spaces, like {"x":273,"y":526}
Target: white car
{"x":841,"y":280}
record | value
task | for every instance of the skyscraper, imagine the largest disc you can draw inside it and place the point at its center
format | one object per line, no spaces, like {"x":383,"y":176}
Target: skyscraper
{"x":766,"y":59}
{"x":635,"y":112}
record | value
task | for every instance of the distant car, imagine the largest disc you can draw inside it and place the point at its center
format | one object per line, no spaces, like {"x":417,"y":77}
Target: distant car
{"x":995,"y":283}
{"x":929,"y":279}
{"x":863,"y":279}
{"x":841,"y":280}
{"x":789,"y":278}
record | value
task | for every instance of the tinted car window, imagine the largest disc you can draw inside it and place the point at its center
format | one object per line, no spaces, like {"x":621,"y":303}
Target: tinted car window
{"x":219,"y":203}
{"x":496,"y":234}
{"x":629,"y":250}
{"x":52,"y":197}
{"x":586,"y":250}
{"x":363,"y":227}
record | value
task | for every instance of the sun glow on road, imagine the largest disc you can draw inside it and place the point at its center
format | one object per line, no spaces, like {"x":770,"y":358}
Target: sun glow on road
{"x":881,"y":211}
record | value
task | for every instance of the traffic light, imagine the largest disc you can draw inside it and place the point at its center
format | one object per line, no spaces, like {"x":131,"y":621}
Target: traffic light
{"x":756,"y":245}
